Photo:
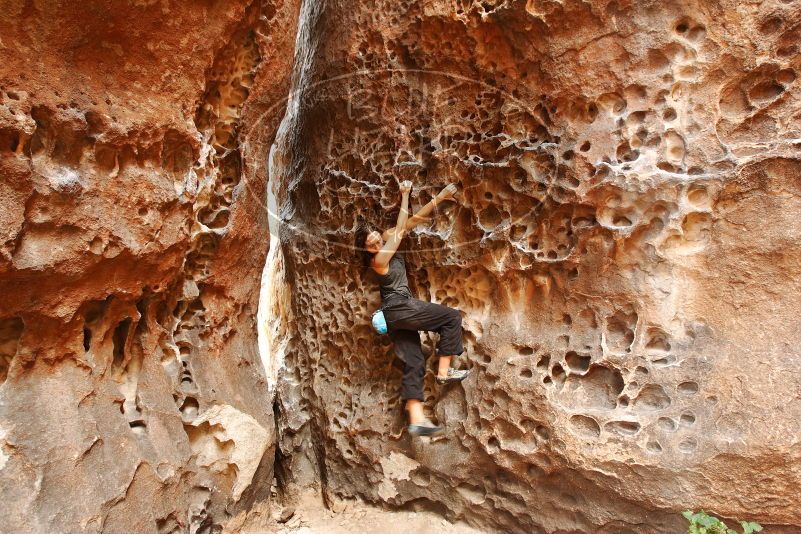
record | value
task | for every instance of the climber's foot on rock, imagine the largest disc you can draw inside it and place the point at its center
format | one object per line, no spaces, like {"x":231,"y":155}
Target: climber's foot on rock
{"x":426,"y":428}
{"x":454,"y":375}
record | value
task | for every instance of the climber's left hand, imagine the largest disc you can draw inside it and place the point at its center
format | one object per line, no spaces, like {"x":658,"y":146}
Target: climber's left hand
{"x":448,"y":192}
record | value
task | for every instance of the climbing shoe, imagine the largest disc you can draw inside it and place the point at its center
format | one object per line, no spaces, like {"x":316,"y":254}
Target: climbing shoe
{"x":454,"y":375}
{"x":426,"y":429}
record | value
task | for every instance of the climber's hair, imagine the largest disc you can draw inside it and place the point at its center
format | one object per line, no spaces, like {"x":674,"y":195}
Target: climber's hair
{"x":360,"y":244}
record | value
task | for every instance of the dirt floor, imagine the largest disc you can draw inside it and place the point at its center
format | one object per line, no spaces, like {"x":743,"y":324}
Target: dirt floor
{"x":354,"y":517}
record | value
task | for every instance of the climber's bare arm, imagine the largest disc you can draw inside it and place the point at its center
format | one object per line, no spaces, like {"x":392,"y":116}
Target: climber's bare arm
{"x":393,"y":237}
{"x":423,"y":214}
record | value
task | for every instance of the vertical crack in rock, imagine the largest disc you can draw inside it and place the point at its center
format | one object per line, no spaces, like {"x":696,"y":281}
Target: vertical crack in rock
{"x":295,"y":402}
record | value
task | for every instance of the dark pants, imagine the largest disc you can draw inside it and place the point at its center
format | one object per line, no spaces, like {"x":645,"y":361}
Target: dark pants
{"x":404,"y":318}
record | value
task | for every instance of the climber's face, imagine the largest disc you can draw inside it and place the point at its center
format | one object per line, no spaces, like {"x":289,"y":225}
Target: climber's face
{"x":373,"y":243}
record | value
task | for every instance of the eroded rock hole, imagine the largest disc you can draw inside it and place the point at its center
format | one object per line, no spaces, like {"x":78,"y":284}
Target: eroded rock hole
{"x":667,"y":424}
{"x":542,"y":432}
{"x":119,"y":340}
{"x":652,"y":397}
{"x":599,"y":388}
{"x":765,"y":91}
{"x":620,"y":331}
{"x":94,"y":311}
{"x":138,"y":427}
{"x":189,"y":408}
{"x":558,"y":374}
{"x":578,"y":363}
{"x":657,"y":341}
{"x":87,"y":339}
{"x":9,"y":140}
{"x":544,"y":362}
{"x":585,"y":426}
{"x":623,"y":428}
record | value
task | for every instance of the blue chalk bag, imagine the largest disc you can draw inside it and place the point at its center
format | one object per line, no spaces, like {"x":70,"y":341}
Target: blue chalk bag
{"x":379,"y":322}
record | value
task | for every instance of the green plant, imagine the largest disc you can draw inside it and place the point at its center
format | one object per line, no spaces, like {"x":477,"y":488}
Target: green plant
{"x":702,"y":523}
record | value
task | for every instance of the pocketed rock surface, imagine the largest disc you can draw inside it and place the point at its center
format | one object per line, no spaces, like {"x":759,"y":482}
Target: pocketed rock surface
{"x":624,"y":254}
{"x":132,"y":173}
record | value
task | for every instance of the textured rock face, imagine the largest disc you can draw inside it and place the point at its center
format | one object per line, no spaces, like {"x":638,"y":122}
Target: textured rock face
{"x":624,"y":254}
{"x":132,"y":170}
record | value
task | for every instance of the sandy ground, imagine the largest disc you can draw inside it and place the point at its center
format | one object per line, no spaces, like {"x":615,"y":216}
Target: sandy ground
{"x":311,"y":517}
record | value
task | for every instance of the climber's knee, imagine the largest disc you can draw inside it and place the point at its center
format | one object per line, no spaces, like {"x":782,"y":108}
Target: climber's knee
{"x":455,"y":319}
{"x":455,"y":315}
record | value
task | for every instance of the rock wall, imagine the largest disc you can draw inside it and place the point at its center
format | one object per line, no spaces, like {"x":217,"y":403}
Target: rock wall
{"x":133,"y":141}
{"x":624,"y":255}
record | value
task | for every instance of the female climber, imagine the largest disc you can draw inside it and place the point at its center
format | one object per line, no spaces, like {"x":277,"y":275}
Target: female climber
{"x":405,"y":315}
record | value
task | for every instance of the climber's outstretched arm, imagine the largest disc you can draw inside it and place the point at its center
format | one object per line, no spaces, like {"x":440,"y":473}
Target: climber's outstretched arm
{"x":423,"y":214}
{"x":393,"y":237}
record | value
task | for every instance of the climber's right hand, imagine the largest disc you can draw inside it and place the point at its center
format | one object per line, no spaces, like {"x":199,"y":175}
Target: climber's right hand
{"x":405,"y":187}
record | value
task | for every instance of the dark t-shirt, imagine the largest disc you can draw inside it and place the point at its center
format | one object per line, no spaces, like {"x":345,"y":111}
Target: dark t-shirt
{"x":394,"y":284}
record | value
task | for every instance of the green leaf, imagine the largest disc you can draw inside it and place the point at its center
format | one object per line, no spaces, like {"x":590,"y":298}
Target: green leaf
{"x":750,"y":526}
{"x":707,"y":521}
{"x":688,"y":515}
